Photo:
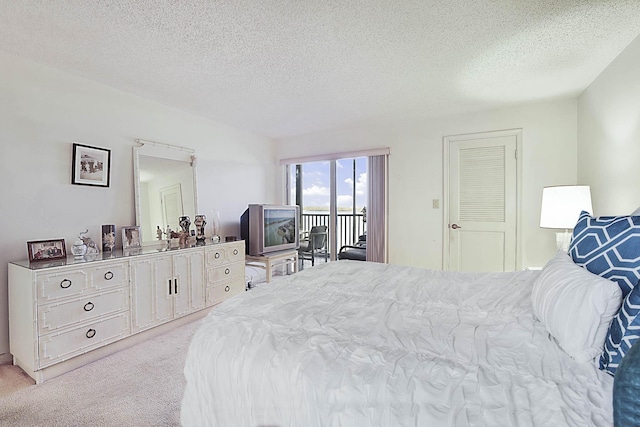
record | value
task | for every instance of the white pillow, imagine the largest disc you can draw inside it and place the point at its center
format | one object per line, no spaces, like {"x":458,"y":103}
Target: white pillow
{"x":575,"y":305}
{"x":636,"y":212}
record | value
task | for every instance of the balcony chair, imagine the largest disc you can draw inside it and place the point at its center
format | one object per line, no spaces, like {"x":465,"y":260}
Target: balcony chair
{"x":313,"y":243}
{"x":355,"y":252}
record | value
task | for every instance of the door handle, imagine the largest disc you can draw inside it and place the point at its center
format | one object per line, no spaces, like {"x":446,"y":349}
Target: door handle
{"x":455,"y":226}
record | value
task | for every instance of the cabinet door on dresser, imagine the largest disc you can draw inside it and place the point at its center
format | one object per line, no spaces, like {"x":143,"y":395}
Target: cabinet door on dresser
{"x":188,"y":286}
{"x":165,"y":287}
{"x":150,"y":303}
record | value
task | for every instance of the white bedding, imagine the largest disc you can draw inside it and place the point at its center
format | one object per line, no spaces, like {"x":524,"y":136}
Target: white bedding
{"x":353,"y":344}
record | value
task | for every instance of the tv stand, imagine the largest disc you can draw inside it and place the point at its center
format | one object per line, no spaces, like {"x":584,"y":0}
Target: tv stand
{"x":273,"y":259}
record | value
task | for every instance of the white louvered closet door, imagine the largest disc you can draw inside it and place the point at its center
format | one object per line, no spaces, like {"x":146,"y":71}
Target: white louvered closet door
{"x":482,"y":204}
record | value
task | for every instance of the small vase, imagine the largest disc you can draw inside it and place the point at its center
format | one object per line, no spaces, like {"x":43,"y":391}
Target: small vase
{"x":78,"y":249}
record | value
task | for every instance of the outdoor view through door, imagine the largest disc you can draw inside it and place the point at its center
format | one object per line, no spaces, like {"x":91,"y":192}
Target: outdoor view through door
{"x":332,"y":193}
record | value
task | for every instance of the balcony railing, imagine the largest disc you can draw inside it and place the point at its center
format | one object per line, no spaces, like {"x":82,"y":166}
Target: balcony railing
{"x":350,"y":226}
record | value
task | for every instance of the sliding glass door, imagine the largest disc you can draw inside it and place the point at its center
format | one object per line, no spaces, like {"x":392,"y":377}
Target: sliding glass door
{"x":351,"y":199}
{"x":331,"y":193}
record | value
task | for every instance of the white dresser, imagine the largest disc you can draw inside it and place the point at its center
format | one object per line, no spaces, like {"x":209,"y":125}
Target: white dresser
{"x":65,"y":314}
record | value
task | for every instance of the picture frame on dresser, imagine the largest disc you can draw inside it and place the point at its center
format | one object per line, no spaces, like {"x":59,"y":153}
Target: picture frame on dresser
{"x":90,"y":165}
{"x":46,"y":250}
{"x":131,"y":237}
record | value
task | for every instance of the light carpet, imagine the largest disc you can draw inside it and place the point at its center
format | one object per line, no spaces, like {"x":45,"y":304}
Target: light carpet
{"x":138,"y":386}
{"x":12,"y":378}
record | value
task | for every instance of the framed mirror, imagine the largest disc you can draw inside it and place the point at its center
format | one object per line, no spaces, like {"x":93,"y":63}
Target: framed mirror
{"x":164,"y":187}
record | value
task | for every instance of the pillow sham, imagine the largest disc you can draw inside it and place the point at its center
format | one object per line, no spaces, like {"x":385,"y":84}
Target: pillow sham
{"x":608,"y":246}
{"x":623,"y":332}
{"x":575,"y":306}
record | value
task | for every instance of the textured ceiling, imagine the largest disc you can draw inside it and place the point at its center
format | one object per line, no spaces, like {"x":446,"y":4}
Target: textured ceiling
{"x":282,"y":68}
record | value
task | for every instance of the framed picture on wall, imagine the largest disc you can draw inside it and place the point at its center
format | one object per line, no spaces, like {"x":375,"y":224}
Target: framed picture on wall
{"x":46,"y":250}
{"x":130,"y":237}
{"x":91,"y":165}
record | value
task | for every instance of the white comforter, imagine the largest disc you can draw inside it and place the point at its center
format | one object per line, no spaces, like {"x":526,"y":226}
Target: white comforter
{"x":355,"y":344}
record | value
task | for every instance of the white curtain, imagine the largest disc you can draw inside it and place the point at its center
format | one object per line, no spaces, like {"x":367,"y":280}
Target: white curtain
{"x":377,"y":209}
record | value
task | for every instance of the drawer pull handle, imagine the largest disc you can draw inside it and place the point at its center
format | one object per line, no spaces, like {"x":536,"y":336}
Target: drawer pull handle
{"x":108,"y":275}
{"x":235,"y":252}
{"x":88,"y":306}
{"x":91,"y":333}
{"x":217,"y":255}
{"x":65,"y":283}
{"x":227,"y":271}
{"x":227,"y":288}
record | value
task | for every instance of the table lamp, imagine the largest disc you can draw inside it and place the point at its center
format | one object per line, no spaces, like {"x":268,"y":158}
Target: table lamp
{"x":561,"y":207}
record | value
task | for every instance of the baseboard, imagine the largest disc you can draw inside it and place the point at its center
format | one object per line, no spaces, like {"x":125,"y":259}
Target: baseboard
{"x":6,"y":358}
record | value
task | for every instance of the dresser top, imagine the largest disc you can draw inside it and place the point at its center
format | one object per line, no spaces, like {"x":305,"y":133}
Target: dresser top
{"x":113,"y":256}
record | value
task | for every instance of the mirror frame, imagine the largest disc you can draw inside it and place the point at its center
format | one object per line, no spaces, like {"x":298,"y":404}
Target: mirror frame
{"x":166,"y":152}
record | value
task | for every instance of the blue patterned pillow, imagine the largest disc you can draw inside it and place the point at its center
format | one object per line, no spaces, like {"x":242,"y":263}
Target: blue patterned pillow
{"x":623,"y":332}
{"x":608,"y":246}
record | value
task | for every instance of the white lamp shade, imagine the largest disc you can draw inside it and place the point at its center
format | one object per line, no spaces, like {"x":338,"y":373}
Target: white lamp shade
{"x":561,"y":205}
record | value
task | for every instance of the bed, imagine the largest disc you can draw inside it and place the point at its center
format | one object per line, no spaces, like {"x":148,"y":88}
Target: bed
{"x":353,"y":343}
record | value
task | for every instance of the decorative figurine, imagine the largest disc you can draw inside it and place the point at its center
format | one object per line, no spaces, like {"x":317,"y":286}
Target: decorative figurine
{"x":79,"y":248}
{"x":84,"y":246}
{"x":185,"y":223}
{"x":92,"y":248}
{"x":200,"y":222}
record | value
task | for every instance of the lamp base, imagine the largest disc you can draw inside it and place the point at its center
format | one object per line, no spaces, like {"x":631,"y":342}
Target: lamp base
{"x":563,"y":239}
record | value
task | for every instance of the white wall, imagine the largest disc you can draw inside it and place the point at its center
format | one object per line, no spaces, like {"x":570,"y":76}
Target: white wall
{"x":416,"y":171}
{"x":43,"y":111}
{"x":609,"y":135}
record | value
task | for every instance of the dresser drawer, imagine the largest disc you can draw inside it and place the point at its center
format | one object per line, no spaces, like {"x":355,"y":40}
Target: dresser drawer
{"x":61,"y":315}
{"x":109,"y":276}
{"x":225,"y":272}
{"x":222,"y":254}
{"x":64,"y":284}
{"x":223,"y":291}
{"x":78,"y":281}
{"x":59,"y":346}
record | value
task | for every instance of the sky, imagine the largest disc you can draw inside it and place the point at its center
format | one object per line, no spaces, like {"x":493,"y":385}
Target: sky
{"x":316,"y":179}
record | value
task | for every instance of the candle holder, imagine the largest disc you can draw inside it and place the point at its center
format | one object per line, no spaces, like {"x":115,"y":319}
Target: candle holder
{"x":215,"y":226}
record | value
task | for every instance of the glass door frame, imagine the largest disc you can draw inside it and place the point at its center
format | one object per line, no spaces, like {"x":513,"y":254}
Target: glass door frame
{"x":333,"y":237}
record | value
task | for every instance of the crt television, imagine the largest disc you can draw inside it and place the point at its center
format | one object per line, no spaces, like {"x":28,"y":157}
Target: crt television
{"x":270,"y":228}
